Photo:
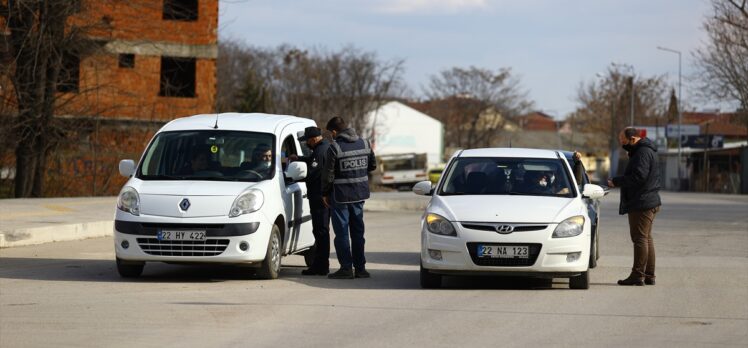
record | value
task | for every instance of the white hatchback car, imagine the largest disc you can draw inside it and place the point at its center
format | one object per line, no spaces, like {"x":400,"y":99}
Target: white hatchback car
{"x":508,"y":211}
{"x":216,"y":189}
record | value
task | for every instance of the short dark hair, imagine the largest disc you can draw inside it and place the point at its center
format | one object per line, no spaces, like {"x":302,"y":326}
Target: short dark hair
{"x":336,"y":124}
{"x":630,"y":132}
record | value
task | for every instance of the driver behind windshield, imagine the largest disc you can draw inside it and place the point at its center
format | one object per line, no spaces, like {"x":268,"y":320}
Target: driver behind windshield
{"x":262,"y":160}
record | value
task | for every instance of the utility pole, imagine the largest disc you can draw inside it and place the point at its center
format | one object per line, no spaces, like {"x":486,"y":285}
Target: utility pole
{"x":680,"y":114}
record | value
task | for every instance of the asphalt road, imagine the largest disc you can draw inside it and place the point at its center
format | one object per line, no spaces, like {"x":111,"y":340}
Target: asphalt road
{"x":68,"y":294}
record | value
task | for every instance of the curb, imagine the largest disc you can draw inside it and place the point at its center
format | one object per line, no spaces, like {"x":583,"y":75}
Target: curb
{"x":62,"y":233}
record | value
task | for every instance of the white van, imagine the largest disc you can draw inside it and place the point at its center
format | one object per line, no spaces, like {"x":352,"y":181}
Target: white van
{"x":216,"y":189}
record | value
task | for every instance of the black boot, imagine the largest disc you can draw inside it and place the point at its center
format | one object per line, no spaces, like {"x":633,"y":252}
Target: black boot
{"x":631,"y":280}
{"x":343,"y":273}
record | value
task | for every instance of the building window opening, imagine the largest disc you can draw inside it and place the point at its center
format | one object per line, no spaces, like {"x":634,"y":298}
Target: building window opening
{"x":177,"y":77}
{"x":180,"y":10}
{"x":126,"y":60}
{"x":68,"y":79}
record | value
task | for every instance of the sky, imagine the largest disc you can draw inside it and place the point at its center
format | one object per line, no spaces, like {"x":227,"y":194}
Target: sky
{"x":551,"y":45}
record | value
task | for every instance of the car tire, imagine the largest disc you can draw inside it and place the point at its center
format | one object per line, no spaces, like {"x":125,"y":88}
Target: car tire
{"x":129,"y":270}
{"x":430,"y":280}
{"x":270,"y":267}
{"x":581,"y":281}
{"x":594,"y":251}
{"x":309,"y":255}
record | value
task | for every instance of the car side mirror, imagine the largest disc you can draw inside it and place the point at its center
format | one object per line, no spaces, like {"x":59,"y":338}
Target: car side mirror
{"x":423,"y":188}
{"x":126,"y":167}
{"x":296,"y":171}
{"x":593,"y":191}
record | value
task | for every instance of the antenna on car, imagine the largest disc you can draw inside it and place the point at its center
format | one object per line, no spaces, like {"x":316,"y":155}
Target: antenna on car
{"x":216,"y":125}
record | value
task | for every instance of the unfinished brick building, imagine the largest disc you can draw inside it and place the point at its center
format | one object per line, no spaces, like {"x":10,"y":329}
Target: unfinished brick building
{"x":157,"y":62}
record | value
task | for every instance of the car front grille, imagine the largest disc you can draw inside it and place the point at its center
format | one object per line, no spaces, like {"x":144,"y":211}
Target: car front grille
{"x":209,"y":247}
{"x":534,"y":251}
{"x":492,"y":227}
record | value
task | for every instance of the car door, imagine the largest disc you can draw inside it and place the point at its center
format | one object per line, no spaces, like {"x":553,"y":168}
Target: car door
{"x":298,"y":232}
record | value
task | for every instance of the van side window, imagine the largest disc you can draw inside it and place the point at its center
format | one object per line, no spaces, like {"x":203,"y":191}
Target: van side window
{"x":287,"y":149}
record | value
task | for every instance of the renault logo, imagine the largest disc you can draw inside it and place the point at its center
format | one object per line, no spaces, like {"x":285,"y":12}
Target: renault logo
{"x":184,"y":204}
{"x":505,"y":229}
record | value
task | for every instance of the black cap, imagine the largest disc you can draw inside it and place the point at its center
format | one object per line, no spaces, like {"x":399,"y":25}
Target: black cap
{"x":310,"y":132}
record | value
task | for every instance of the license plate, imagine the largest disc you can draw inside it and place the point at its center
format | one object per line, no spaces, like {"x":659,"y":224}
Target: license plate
{"x":181,"y":235}
{"x":504,"y":251}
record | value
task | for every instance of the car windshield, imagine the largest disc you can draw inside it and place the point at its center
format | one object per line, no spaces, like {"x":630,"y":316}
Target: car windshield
{"x":507,"y":176}
{"x":209,"y":155}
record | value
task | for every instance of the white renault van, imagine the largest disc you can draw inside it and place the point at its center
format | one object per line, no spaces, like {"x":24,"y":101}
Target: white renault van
{"x":216,"y":189}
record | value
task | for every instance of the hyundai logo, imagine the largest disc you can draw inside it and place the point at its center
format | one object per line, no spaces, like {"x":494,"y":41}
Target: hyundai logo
{"x":184,"y":204}
{"x":505,"y":229}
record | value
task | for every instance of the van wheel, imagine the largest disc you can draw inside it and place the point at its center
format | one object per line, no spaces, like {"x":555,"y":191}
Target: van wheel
{"x":271,"y":265}
{"x":581,"y":281}
{"x":129,"y":270}
{"x":430,"y":280}
{"x":309,"y":256}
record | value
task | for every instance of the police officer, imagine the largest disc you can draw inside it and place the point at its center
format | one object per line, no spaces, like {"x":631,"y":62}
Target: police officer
{"x":320,"y":212}
{"x":345,"y":186}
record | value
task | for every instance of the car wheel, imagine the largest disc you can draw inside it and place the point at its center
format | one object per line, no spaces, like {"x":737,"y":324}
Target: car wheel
{"x":309,"y":256}
{"x":271,"y":265}
{"x":129,"y":270}
{"x":581,"y":281}
{"x":430,"y":280}
{"x":593,"y":251}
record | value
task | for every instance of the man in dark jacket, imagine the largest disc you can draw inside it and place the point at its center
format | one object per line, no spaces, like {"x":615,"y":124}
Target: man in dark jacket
{"x":320,"y":213}
{"x":345,"y":186}
{"x":640,"y":199}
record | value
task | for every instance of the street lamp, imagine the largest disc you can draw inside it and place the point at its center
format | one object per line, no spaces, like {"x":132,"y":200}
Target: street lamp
{"x":680,"y":112}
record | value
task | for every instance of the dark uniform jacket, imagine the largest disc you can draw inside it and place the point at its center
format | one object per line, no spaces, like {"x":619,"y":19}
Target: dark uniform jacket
{"x":316,"y":163}
{"x":347,"y":165}
{"x":640,"y":183}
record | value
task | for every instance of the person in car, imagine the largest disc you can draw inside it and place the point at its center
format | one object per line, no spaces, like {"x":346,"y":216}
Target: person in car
{"x":198,"y":162}
{"x":262,"y":160}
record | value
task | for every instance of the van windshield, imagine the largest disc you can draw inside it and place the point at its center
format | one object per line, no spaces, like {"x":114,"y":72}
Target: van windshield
{"x":508,"y":176}
{"x":209,"y":155}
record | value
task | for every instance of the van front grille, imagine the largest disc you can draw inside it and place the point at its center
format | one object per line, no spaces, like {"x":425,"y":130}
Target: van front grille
{"x":209,"y":247}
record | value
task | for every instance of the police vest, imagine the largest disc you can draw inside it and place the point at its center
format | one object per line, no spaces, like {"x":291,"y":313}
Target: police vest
{"x":351,"y":182}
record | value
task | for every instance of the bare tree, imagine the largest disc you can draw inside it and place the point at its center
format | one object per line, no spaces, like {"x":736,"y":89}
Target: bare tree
{"x":312,"y":83}
{"x":474,"y":103}
{"x":723,"y":63}
{"x":43,"y":49}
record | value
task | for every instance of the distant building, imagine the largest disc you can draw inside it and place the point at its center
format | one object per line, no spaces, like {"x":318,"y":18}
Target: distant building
{"x":537,"y":121}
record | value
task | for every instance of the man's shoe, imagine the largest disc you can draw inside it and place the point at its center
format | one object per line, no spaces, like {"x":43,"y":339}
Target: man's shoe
{"x":362,"y":274}
{"x":649,"y":281}
{"x":342,"y":273}
{"x":631,"y":280}
{"x":312,"y":271}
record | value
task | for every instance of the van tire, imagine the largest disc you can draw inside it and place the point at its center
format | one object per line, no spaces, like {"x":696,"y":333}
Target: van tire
{"x":581,"y":281}
{"x":594,"y":251}
{"x":129,"y":270}
{"x":270,"y":267}
{"x":430,"y":280}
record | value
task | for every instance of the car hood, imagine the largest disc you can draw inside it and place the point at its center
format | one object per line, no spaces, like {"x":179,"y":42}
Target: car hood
{"x":192,"y":188}
{"x":504,"y":208}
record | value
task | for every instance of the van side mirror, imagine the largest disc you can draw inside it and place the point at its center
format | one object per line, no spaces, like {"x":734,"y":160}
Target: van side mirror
{"x":296,"y":171}
{"x":423,"y":188}
{"x":126,"y":167}
{"x":593,"y":191}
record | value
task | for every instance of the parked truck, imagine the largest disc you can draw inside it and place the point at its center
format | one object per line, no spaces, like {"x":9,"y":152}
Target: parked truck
{"x":402,"y":171}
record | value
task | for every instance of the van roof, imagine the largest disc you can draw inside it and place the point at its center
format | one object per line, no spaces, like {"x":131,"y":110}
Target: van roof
{"x":254,"y":122}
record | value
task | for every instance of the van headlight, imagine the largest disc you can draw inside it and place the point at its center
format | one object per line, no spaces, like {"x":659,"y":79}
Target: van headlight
{"x":129,"y":201}
{"x":570,"y":227}
{"x":437,"y":224}
{"x":247,"y":202}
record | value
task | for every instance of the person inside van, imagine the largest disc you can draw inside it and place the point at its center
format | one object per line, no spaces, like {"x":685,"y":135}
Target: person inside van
{"x":262,"y":160}
{"x":198,"y":162}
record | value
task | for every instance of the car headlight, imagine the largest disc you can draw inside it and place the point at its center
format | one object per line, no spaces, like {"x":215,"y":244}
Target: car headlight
{"x":247,"y":202}
{"x":570,"y":227}
{"x":437,"y":224}
{"x":129,"y":201}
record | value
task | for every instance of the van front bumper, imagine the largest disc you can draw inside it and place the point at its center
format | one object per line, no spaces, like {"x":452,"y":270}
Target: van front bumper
{"x":223,"y":242}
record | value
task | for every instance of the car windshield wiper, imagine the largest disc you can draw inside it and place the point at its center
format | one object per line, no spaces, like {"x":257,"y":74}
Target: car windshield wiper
{"x":452,"y":193}
{"x":162,"y":177}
